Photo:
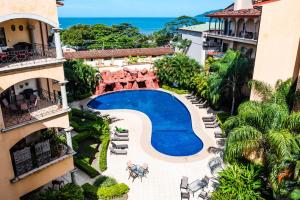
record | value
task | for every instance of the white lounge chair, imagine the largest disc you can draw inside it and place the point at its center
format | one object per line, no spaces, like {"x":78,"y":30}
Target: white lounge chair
{"x":118,"y":151}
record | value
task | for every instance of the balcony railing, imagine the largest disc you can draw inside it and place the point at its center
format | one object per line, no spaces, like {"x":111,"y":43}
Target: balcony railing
{"x":37,"y":155}
{"x":29,"y":107}
{"x":241,"y":34}
{"x":25,"y":53}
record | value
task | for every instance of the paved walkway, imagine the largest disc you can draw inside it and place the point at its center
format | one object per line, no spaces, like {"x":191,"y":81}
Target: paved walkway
{"x":163,"y":181}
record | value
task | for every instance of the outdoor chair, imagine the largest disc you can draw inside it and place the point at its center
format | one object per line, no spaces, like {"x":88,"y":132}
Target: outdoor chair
{"x":118,"y":151}
{"x":214,"y":150}
{"x":221,"y":142}
{"x":119,"y":146}
{"x":115,"y":138}
{"x":197,"y":101}
{"x":215,"y":164}
{"x":121,"y":130}
{"x":129,"y":165}
{"x":9,"y":107}
{"x":33,"y":104}
{"x":191,"y":95}
{"x":19,"y":99}
{"x":209,"y":118}
{"x":146,"y":168}
{"x":198,"y":184}
{"x":203,"y":194}
{"x":185,"y":195}
{"x":133,"y":175}
{"x":202,"y":105}
{"x":184,"y":183}
{"x":121,"y":134}
{"x":218,"y":135}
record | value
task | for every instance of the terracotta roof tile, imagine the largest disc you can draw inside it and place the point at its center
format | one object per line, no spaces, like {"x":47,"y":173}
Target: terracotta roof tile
{"x":236,"y":13}
{"x":118,"y":53}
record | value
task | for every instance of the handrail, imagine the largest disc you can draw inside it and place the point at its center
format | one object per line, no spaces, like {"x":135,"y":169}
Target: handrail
{"x":37,"y":51}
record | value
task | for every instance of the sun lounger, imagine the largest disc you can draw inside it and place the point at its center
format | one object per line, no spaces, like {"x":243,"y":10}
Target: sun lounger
{"x":115,"y":138}
{"x":211,"y":122}
{"x":119,"y":146}
{"x":209,"y":119}
{"x":121,"y":130}
{"x":184,"y":183}
{"x":215,"y":150}
{"x":202,"y":105}
{"x":216,"y":125}
{"x":215,"y":164}
{"x":121,"y":134}
{"x":198,"y":184}
{"x":118,"y":151}
{"x":218,"y":135}
{"x":197,"y":101}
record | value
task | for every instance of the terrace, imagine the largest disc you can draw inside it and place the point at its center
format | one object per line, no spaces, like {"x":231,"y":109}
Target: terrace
{"x":29,"y":101}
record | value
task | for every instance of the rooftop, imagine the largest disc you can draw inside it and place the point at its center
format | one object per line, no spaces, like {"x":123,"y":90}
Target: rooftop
{"x":198,"y":27}
{"x":118,"y":53}
{"x":236,"y":13}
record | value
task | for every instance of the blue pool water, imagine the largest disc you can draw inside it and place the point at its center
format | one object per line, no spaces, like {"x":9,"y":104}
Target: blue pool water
{"x":172,"y":132}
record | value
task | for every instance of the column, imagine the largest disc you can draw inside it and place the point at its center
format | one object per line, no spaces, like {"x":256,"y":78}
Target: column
{"x":209,"y":24}
{"x":59,"y":54}
{"x":31,"y":34}
{"x":73,"y":176}
{"x":228,"y":26}
{"x":2,"y":124}
{"x":63,"y":92}
{"x":216,"y":25}
{"x":219,"y":26}
{"x":69,"y":139}
{"x":245,"y":27}
{"x":236,"y":27}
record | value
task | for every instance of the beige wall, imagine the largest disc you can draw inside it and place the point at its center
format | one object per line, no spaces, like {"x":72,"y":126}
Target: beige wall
{"x":43,"y":9}
{"x":243,"y":4}
{"x":41,"y":31}
{"x":8,"y":79}
{"x":278,"y":44}
{"x":9,"y":139}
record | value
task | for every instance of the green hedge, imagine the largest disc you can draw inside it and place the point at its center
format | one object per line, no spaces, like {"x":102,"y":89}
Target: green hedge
{"x":90,"y":191}
{"x":80,"y":137}
{"x":105,"y":181}
{"x":176,"y":90}
{"x":103,"y":153}
{"x":86,"y":167}
{"x":114,"y":191}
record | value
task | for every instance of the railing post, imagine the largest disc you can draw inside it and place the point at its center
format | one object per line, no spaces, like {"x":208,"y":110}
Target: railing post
{"x":59,"y":54}
{"x":64,"y":94}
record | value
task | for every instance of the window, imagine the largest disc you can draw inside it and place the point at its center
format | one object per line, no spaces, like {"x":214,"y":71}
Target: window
{"x":2,"y":37}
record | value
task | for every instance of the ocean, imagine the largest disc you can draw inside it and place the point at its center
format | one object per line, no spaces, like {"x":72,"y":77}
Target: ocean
{"x":145,"y":25}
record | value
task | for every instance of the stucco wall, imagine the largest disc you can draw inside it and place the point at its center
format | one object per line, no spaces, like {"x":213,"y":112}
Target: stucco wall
{"x":10,"y":78}
{"x":278,"y":42}
{"x":243,"y":4}
{"x":196,"y":50}
{"x":8,"y":140}
{"x":44,"y":10}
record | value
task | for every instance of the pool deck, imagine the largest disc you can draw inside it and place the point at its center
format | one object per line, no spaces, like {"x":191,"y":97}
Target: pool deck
{"x":163,"y":181}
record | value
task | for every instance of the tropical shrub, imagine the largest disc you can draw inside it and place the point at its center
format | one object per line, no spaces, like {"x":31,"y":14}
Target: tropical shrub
{"x":81,"y":77}
{"x":176,"y":90}
{"x":114,"y":191}
{"x":238,"y":182}
{"x":267,"y":133}
{"x":177,"y":70}
{"x":70,"y":191}
{"x":103,"y":154}
{"x":90,"y":191}
{"x":105,"y":181}
{"x":86,"y":167}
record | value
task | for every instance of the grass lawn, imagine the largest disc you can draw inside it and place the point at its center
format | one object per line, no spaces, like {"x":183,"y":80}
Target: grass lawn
{"x":176,"y":90}
{"x":88,"y":149}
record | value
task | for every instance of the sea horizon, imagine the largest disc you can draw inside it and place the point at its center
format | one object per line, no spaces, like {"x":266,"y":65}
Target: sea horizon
{"x":146,"y":25}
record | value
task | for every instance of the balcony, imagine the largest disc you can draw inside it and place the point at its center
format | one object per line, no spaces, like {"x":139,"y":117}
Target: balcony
{"x":242,"y":36}
{"x":30,"y":104}
{"x":36,"y":152}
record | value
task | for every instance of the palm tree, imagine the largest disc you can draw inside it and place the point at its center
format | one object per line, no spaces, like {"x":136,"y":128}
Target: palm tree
{"x":265,"y":132}
{"x":229,"y":73}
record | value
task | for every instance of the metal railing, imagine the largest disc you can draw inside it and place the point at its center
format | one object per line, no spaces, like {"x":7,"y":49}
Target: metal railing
{"x":28,"y":109}
{"x":241,"y":35}
{"x":37,"y":51}
{"x":37,"y":155}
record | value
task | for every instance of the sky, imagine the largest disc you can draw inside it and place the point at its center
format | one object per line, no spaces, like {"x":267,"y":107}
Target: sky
{"x":139,"y":8}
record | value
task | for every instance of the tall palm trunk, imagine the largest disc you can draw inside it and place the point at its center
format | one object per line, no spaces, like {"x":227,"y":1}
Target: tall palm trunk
{"x":233,"y":99}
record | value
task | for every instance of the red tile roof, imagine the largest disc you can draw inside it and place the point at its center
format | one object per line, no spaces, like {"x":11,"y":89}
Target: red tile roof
{"x":261,"y":3}
{"x":236,"y":13}
{"x":118,"y":53}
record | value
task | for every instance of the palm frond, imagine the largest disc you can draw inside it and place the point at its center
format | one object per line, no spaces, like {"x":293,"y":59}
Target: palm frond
{"x":282,"y":143}
{"x":264,"y":90}
{"x":292,"y":122}
{"x":241,"y":141}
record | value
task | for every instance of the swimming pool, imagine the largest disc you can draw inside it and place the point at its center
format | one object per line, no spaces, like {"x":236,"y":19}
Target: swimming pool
{"x":172,"y":132}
